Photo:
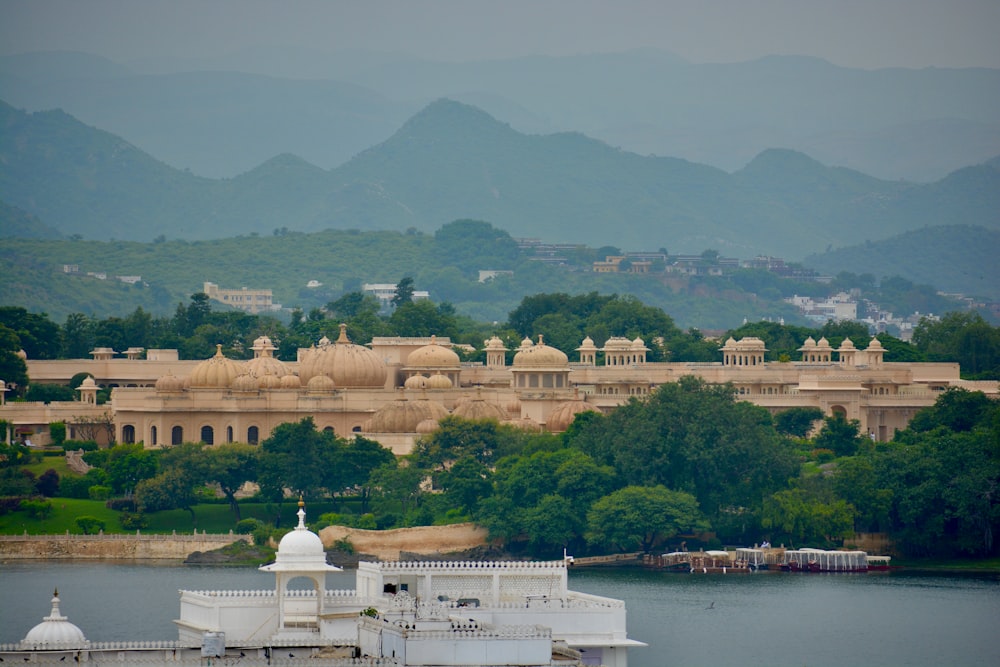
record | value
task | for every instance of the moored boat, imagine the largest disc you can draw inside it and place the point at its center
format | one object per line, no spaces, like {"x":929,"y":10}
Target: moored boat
{"x":819,"y":560}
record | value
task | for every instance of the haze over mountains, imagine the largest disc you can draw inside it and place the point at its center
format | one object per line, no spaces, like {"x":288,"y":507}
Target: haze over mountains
{"x":452,"y":161}
{"x":224,"y":116}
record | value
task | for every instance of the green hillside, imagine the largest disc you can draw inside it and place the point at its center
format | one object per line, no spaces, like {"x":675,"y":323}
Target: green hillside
{"x":953,"y":258}
{"x":32,"y":276}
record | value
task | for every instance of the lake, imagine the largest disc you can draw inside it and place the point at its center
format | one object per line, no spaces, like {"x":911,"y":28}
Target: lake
{"x":800,"y":620}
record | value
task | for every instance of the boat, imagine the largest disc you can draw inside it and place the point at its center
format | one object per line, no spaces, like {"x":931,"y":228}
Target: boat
{"x":879,"y":563}
{"x":675,"y":561}
{"x":820,"y":560}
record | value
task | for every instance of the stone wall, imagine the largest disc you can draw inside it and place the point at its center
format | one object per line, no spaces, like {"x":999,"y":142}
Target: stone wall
{"x":110,"y":547}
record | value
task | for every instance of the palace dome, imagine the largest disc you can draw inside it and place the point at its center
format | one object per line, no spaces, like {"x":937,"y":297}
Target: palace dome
{"x":291,"y":382}
{"x":168,"y":382}
{"x":438,"y":381}
{"x":347,"y":364}
{"x":215,"y":373}
{"x":433,"y":356}
{"x":563,"y":415}
{"x":403,"y":415}
{"x":479,"y":408}
{"x":55,"y":631}
{"x":416,"y":382}
{"x":319,"y":384}
{"x":244,"y":382}
{"x":265,"y":364}
{"x":540,"y":356}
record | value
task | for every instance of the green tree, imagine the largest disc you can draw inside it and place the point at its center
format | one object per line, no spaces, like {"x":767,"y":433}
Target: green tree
{"x":839,"y":435}
{"x":797,"y":421}
{"x":963,"y":337}
{"x":638,"y":517}
{"x":296,"y":457}
{"x":798,"y":517}
{"x":13,"y":370}
{"x":57,"y":431}
{"x":126,"y":465}
{"x":231,"y":465}
{"x":694,"y":437}
{"x":404,"y":292}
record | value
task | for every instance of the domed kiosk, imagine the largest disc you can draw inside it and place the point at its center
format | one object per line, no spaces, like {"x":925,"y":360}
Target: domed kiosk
{"x":300,"y":555}
{"x":434,"y":359}
{"x":55,"y":633}
{"x":540,"y":367}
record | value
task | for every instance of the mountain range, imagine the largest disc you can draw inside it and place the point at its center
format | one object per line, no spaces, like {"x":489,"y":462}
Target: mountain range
{"x":223,"y":116}
{"x":451,"y":161}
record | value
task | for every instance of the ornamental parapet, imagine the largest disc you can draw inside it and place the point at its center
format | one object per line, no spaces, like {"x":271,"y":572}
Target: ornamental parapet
{"x":465,"y":566}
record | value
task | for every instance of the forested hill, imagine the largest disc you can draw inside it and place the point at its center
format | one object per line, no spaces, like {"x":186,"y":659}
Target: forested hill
{"x":454,"y":161}
{"x":953,"y":258}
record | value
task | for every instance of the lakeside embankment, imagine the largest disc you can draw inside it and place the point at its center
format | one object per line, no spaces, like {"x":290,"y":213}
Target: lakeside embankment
{"x":382,"y":544}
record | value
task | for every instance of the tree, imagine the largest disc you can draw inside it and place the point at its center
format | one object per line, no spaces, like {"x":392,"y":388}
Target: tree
{"x":171,"y":489}
{"x":127,"y":465}
{"x":797,"y":517}
{"x":695,"y":437}
{"x":963,"y":337}
{"x":357,"y":460}
{"x":797,"y":421}
{"x":57,"y":431}
{"x":296,"y":457}
{"x":13,"y":370}
{"x":465,"y":483}
{"x":404,"y":292}
{"x":957,"y":409}
{"x":840,"y":436}
{"x":231,"y":465}
{"x":638,"y":517}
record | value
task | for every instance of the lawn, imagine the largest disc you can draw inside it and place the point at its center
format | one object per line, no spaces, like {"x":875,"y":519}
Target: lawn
{"x":208,"y":517}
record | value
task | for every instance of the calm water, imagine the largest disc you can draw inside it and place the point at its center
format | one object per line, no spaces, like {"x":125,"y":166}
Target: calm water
{"x":810,"y":620}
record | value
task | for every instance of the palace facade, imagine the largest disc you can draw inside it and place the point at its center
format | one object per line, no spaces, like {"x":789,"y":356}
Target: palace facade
{"x":396,"y":389}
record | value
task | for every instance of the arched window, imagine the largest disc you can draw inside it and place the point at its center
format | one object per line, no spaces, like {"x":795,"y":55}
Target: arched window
{"x":176,"y":435}
{"x":152,"y":436}
{"x":128,"y":434}
{"x":253,"y":435}
{"x":328,"y":429}
{"x":207,"y":435}
{"x":229,"y":434}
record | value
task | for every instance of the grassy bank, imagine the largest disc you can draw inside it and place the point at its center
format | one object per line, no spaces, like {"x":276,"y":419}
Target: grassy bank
{"x":209,"y":517}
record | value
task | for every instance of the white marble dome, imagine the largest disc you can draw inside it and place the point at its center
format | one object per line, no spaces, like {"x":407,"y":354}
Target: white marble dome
{"x":55,"y":631}
{"x":300,"y":550}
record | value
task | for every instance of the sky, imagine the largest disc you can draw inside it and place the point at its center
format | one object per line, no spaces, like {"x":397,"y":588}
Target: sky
{"x":852,"y":33}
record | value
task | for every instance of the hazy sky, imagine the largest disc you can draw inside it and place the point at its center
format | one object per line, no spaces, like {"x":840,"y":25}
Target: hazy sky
{"x":855,"y":33}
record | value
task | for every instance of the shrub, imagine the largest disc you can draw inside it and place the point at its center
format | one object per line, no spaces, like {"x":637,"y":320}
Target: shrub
{"x":47,"y":483}
{"x":344,"y":544}
{"x":37,"y":509}
{"x":57,"y":431}
{"x":85,"y":445}
{"x":72,"y":486}
{"x":261,"y":534}
{"x":89,"y":525}
{"x":99,"y":492}
{"x":133,"y":520}
{"x":367,"y":522}
{"x":823,"y":455}
{"x":248,"y":526}
{"x":386,"y":521}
